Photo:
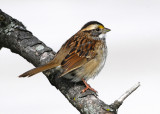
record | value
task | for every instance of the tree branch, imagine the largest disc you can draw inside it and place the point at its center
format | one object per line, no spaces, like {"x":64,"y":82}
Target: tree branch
{"x":117,"y":103}
{"x":15,"y":36}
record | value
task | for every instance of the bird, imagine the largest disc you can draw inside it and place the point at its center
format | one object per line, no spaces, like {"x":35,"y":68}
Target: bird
{"x":81,"y":57}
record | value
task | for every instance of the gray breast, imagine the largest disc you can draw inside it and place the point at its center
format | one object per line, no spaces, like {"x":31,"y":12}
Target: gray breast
{"x":103,"y":58}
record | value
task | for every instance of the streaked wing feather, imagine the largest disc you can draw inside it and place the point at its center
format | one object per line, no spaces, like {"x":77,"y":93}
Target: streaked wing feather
{"x":82,"y":52}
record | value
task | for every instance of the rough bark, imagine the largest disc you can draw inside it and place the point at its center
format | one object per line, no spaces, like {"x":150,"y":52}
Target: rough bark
{"x":15,"y":36}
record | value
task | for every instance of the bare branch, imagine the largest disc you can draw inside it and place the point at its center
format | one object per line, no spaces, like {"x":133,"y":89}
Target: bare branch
{"x":15,"y":36}
{"x":127,"y":93}
{"x":117,"y":103}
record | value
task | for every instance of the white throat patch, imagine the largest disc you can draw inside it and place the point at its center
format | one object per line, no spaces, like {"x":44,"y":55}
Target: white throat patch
{"x":102,"y":35}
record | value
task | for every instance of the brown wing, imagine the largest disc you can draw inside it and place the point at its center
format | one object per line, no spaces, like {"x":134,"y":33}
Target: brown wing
{"x":82,"y":52}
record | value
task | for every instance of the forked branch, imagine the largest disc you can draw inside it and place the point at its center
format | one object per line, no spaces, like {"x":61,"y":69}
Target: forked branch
{"x":15,"y":36}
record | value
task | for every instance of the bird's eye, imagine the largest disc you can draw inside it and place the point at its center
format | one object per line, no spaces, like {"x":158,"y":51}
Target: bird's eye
{"x":97,"y":29}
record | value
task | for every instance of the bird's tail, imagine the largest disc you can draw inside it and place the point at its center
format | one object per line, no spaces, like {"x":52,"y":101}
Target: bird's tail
{"x":38,"y":69}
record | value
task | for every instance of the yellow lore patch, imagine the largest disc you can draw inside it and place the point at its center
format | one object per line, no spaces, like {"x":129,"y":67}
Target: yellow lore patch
{"x":101,"y":27}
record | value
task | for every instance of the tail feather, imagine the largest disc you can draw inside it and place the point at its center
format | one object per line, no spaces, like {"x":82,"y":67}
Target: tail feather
{"x":37,"y":70}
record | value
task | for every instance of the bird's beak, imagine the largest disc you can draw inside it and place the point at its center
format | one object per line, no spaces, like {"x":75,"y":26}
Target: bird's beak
{"x":105,"y":30}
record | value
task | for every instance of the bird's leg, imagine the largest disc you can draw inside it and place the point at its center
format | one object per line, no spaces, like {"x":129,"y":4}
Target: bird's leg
{"x":87,"y":87}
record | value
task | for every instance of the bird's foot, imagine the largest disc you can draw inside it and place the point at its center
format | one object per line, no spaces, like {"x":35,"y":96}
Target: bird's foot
{"x":87,"y":87}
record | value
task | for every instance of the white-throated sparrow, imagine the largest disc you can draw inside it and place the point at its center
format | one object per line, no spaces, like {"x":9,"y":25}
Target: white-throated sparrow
{"x":81,"y":57}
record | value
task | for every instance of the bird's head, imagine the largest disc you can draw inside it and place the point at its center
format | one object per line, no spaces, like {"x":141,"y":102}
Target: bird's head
{"x":95,"y":29}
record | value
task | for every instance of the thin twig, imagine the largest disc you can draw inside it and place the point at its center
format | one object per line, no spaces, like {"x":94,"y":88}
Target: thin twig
{"x":127,"y":93}
{"x":117,"y":103}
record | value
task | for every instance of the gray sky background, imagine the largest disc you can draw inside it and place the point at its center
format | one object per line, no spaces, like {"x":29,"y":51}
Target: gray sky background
{"x":133,"y":54}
